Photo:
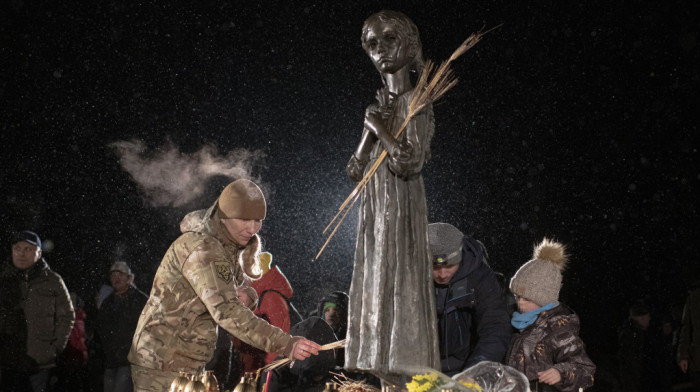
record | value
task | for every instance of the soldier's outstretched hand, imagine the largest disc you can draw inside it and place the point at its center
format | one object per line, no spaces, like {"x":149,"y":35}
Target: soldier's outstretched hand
{"x":301,"y":348}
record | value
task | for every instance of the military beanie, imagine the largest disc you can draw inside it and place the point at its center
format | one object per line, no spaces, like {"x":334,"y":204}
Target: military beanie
{"x":242,"y":199}
{"x":539,"y":280}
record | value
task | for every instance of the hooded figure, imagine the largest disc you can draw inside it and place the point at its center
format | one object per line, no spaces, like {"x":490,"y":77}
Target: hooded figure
{"x":333,"y":308}
{"x":310,"y":374}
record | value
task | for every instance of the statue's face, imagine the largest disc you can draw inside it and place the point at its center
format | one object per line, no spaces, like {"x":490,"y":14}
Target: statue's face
{"x":389,"y":53}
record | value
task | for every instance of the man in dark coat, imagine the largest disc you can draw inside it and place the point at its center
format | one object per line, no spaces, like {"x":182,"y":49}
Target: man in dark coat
{"x":639,"y":350}
{"x":116,"y":323}
{"x":473,"y":322}
{"x":36,"y":317}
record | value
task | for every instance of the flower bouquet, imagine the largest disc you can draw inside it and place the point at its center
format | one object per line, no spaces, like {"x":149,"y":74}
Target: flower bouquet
{"x":483,"y":377}
{"x":494,"y":377}
{"x":435,"y":382}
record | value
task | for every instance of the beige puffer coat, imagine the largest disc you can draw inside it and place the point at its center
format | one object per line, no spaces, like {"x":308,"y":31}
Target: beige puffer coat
{"x":36,"y":304}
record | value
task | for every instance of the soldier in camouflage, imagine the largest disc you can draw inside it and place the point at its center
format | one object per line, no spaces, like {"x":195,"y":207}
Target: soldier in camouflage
{"x":194,"y":289}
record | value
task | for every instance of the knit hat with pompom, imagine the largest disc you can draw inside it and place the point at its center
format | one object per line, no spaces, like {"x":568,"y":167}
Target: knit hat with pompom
{"x":539,"y":280}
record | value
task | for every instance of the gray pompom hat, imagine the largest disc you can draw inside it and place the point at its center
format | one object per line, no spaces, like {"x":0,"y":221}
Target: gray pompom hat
{"x":539,"y":280}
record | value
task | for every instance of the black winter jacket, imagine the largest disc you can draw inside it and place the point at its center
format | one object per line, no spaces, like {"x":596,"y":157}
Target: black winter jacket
{"x":311,"y":374}
{"x":470,"y":307}
{"x":116,"y":324}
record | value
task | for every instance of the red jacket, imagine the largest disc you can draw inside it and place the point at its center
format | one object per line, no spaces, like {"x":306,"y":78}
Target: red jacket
{"x":274,"y":309}
{"x":76,"y":351}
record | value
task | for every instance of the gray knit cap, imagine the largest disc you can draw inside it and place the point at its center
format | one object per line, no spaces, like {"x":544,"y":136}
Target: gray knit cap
{"x":539,"y":280}
{"x":445,"y":243}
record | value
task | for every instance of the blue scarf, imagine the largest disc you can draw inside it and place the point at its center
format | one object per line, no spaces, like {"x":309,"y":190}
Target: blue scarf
{"x":522,"y":321}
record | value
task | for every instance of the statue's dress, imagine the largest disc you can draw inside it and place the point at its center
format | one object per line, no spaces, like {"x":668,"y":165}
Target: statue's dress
{"x":392,"y":325}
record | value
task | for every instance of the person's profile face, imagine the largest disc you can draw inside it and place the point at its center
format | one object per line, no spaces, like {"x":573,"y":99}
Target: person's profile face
{"x":241,"y":230}
{"x":24,"y":254}
{"x":525,"y":305}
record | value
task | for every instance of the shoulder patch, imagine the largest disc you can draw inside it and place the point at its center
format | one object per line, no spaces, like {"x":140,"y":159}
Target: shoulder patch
{"x":223,"y":271}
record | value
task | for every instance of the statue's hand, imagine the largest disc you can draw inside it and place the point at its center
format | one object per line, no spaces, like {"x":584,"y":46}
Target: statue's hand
{"x":374,"y":119}
{"x":385,"y":101}
{"x":386,"y":112}
{"x":382,"y":97}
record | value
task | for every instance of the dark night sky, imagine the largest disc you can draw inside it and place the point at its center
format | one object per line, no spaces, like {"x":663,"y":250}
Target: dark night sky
{"x":573,"y":120}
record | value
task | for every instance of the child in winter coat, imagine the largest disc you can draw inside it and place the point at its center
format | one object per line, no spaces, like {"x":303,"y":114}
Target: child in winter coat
{"x":548,"y":349}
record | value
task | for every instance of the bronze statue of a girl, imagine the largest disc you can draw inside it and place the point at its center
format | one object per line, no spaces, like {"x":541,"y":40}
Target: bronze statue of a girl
{"x":391,"y":327}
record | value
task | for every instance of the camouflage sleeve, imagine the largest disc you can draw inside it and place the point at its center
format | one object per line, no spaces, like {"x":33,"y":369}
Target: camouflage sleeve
{"x":211,"y":277}
{"x":570,"y":357}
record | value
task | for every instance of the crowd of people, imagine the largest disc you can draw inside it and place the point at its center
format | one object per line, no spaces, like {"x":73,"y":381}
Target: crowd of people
{"x":218,"y":302}
{"x":658,"y":353}
{"x":50,"y":344}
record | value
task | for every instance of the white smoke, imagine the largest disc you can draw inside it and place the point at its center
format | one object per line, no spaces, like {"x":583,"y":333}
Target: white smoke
{"x":169,"y":177}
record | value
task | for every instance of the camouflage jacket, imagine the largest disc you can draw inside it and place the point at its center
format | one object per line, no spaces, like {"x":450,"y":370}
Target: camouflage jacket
{"x":553,"y":341}
{"x":194,"y":289}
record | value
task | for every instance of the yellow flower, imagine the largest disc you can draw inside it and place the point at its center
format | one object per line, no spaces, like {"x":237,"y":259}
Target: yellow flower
{"x":428,"y":382}
{"x":472,"y":386}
